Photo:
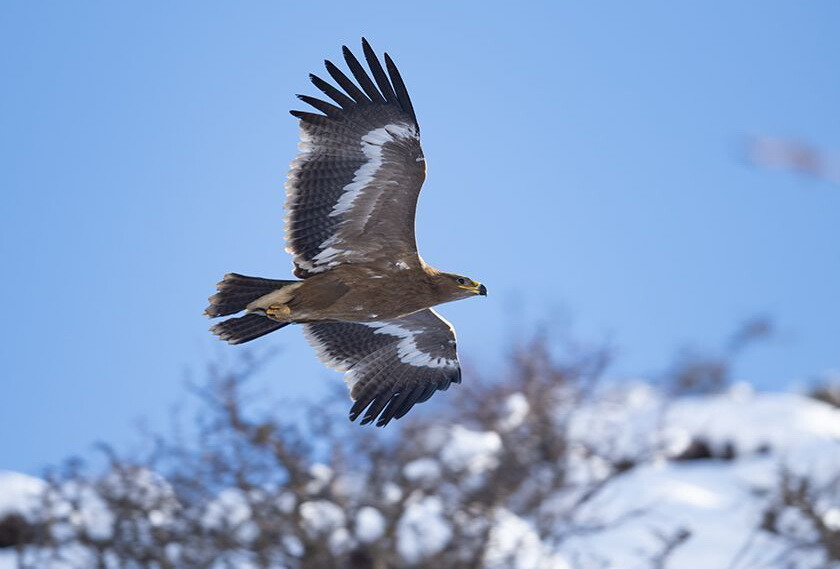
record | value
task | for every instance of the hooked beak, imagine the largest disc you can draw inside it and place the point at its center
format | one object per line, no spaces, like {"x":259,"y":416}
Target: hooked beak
{"x":478,"y":289}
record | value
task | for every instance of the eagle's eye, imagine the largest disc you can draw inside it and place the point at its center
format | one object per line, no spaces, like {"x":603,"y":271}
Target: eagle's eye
{"x":462,"y":281}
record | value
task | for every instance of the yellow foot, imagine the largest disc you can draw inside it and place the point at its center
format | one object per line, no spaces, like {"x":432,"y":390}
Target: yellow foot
{"x":279,"y":312}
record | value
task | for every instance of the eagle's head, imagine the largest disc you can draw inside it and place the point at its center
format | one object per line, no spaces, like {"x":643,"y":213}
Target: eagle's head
{"x":455,"y":287}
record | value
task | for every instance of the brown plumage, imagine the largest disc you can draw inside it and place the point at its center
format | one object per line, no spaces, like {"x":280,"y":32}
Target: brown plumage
{"x":365,"y":296}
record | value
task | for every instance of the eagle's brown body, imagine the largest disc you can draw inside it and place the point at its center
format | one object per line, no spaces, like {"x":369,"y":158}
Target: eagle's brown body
{"x":361,"y":293}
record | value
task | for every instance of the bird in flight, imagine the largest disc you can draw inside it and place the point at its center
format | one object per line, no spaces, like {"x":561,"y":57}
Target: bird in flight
{"x":365,"y":295}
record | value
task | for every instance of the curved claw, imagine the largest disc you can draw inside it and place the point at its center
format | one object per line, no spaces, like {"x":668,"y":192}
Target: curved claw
{"x":278,"y":312}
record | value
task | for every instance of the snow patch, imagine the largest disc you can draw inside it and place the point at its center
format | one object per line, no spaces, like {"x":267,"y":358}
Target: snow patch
{"x":19,"y":494}
{"x":321,"y":517}
{"x":516,"y":408}
{"x":370,"y":524}
{"x":475,"y":451}
{"x":422,"y":530}
{"x":422,"y":470}
{"x":514,"y":544}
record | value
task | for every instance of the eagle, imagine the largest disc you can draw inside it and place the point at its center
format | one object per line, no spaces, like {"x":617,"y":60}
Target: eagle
{"x":364,"y":296}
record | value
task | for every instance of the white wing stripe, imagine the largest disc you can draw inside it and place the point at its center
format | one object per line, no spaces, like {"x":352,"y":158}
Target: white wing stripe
{"x":371,"y":144}
{"x":407,"y":349}
{"x":372,"y":147}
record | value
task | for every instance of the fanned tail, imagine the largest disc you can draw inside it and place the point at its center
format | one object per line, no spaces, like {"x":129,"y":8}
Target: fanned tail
{"x":238,"y":291}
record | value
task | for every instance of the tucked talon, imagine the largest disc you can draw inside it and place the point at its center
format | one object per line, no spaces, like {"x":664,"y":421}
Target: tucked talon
{"x":279,"y":312}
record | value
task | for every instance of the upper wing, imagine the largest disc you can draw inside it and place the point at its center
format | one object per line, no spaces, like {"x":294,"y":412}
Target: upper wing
{"x":391,"y":365}
{"x":352,"y":191}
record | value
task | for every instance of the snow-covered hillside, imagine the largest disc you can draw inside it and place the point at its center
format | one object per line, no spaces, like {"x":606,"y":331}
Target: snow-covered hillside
{"x":739,"y":480}
{"x":733,"y":451}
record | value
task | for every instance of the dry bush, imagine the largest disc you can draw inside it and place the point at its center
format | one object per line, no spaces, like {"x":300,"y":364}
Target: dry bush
{"x":297,"y":486}
{"x":263,"y":489}
{"x":695,"y":372}
{"x":806,"y":514}
{"x":827,"y":389}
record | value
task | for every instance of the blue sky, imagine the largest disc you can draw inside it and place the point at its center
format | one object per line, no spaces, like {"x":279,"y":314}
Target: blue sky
{"x":583,"y":163}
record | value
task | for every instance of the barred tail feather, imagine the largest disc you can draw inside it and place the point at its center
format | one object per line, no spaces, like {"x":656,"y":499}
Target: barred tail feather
{"x":246,"y":328}
{"x":238,"y":291}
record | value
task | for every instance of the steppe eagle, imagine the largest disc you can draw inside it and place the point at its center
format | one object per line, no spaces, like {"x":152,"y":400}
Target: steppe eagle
{"x":365,"y":295}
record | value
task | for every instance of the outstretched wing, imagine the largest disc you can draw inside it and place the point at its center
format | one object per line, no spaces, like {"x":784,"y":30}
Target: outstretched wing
{"x":390,"y":365}
{"x":352,"y":191}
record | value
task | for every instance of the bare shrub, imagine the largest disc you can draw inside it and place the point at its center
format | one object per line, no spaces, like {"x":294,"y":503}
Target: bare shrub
{"x":805,"y":513}
{"x":505,"y":472}
{"x":305,"y":489}
{"x":695,"y":372}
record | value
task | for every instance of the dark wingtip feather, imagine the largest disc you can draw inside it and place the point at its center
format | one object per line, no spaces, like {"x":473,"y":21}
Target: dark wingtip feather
{"x":402,"y":404}
{"x":357,"y":408}
{"x":331,"y":92}
{"x":376,"y":406}
{"x":345,"y":83}
{"x":388,"y":411}
{"x":426,"y":394}
{"x":378,"y":73}
{"x":391,"y":404}
{"x":360,"y":405}
{"x":323,"y":106}
{"x":361,"y":76}
{"x":311,"y":118}
{"x":399,"y":87}
{"x":375,"y":86}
